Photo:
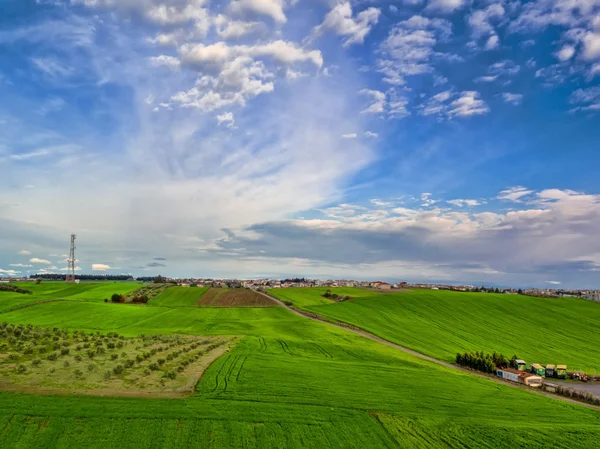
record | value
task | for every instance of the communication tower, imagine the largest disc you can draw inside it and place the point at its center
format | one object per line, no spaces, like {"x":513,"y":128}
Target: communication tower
{"x":71,"y":262}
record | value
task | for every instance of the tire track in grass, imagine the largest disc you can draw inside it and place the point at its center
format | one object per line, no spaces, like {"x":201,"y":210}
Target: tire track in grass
{"x":285,"y":347}
{"x":219,"y":373}
{"x":7,"y":426}
{"x":263,"y":344}
{"x":323,"y":351}
{"x":237,"y":377}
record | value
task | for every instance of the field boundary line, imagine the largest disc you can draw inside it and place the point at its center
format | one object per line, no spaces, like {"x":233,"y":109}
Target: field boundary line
{"x":363,"y":333}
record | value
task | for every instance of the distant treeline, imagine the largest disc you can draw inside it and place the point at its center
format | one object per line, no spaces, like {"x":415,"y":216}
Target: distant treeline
{"x":84,"y":277}
{"x":295,"y":280}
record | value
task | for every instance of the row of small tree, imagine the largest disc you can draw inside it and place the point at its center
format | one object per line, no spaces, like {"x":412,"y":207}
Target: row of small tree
{"x":484,"y":362}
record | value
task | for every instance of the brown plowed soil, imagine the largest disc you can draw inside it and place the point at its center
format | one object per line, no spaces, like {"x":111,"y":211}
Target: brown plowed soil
{"x":234,"y":297}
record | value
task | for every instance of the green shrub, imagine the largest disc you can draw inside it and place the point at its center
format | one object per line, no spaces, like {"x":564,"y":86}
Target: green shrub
{"x":53,"y":356}
{"x":21,"y":369}
{"x":36,"y":362}
{"x":66,"y":364}
{"x":118,"y":369}
{"x":90,"y":367}
{"x":114,"y":356}
{"x":91,"y":353}
{"x":78,"y":373}
{"x":65,"y":351}
{"x":153,"y":366}
{"x":78,"y":358}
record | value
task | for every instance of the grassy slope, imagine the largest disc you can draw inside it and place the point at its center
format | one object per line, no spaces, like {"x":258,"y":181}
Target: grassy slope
{"x":178,"y":297}
{"x":311,"y":296}
{"x":291,"y":382}
{"x":97,"y":291}
{"x":441,"y":323}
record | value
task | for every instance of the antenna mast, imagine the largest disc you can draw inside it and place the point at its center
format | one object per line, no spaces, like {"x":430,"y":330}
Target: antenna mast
{"x":71,"y":261}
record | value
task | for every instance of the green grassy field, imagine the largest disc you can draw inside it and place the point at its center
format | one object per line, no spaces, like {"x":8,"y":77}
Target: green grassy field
{"x":94,"y":291}
{"x":311,"y":296}
{"x":442,"y":323}
{"x":179,"y":297}
{"x":289,"y":382}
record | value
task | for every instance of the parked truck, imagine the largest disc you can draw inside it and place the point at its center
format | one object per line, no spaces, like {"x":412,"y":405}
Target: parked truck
{"x":520,"y":365}
{"x":550,"y":371}
{"x":561,"y":371}
{"x":537,"y":369}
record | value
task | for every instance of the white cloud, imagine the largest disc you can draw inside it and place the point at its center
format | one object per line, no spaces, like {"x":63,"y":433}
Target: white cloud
{"x":591,"y":46}
{"x":350,"y":136}
{"x":52,"y":67}
{"x":234,"y":29}
{"x":193,"y":11}
{"x":212,"y":57}
{"x":481,"y":22}
{"x":514,"y":194}
{"x":377,"y":101}
{"x":227,"y":118}
{"x":8,"y":272}
{"x":451,"y":104}
{"x":270,"y":8}
{"x":463,"y":203}
{"x":445,"y":6}
{"x":410,"y":47}
{"x":506,"y":67}
{"x":553,"y":282}
{"x":467,"y":104}
{"x":340,"y":21}
{"x":371,"y":134}
{"x":514,"y":99}
{"x":492,"y":43}
{"x":587,"y":99}
{"x":566,"y":53}
{"x":24,"y":252}
{"x":29,"y":155}
{"x":40,"y":261}
{"x":390,"y":103}
{"x":165,"y":61}
{"x":100,"y":267}
{"x":20,"y":265}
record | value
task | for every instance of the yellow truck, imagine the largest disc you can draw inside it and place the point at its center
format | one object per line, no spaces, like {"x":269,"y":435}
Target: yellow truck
{"x":561,"y":371}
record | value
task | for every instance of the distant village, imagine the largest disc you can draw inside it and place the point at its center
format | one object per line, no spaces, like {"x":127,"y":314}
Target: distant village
{"x":255,"y":284}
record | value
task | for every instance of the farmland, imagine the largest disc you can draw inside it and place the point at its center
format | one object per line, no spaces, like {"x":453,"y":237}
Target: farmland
{"x":441,"y":323}
{"x":287,"y":382}
{"x":178,"y":297}
{"x":51,"y":360}
{"x":236,"y":297}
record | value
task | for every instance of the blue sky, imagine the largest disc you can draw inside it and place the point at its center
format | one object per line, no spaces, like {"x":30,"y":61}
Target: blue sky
{"x":432,"y":140}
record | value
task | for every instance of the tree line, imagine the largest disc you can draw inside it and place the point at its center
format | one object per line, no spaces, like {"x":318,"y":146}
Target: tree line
{"x":484,"y":362}
{"x":83,"y":277}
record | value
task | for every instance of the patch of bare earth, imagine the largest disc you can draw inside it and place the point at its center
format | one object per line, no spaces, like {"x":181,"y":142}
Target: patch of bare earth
{"x":234,"y":297}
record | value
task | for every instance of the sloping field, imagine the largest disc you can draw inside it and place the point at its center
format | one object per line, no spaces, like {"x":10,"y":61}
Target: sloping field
{"x":178,"y":297}
{"x":234,"y":297}
{"x":290,"y":382}
{"x":311,"y":296}
{"x":13,"y":300}
{"x":442,"y":323}
{"x":97,"y":291}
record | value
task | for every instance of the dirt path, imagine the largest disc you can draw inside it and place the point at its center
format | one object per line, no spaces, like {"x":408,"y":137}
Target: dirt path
{"x":365,"y":334}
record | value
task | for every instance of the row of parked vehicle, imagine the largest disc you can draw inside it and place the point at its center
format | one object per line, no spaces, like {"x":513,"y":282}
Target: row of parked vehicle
{"x":556,"y":371}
